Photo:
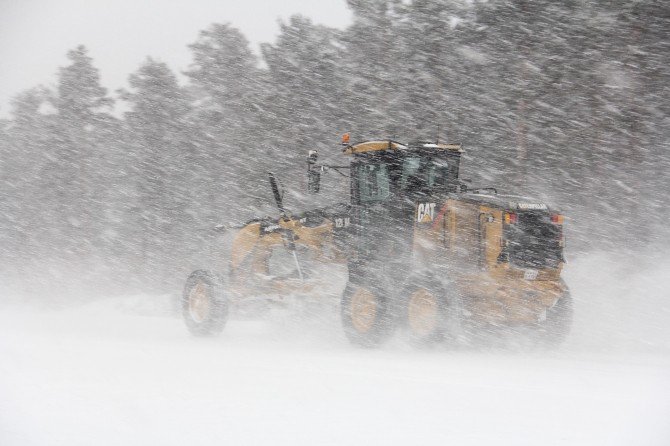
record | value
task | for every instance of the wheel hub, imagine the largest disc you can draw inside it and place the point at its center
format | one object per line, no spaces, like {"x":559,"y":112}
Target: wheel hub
{"x":422,"y":312}
{"x":363,"y":310}
{"x":198,"y":303}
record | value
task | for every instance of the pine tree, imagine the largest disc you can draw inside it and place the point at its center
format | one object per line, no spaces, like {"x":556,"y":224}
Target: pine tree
{"x":229,"y":88}
{"x":228,"y":83}
{"x":28,"y":214}
{"x":164,"y":171}
{"x":81,"y":104}
{"x":307,"y":87}
{"x":307,"y":105}
{"x":371,"y":63}
{"x":80,"y":95}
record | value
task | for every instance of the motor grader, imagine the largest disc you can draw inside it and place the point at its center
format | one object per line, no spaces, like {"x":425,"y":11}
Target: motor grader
{"x":421,"y":251}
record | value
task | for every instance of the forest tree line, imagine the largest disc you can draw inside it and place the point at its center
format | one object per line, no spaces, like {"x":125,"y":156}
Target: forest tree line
{"x":567,"y":101}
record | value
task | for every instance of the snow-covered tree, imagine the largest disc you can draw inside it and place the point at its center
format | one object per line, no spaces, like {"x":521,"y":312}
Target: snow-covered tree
{"x":162,"y":164}
{"x":80,"y":133}
{"x":305,"y":99}
{"x":27,"y":140}
{"x":228,"y":86}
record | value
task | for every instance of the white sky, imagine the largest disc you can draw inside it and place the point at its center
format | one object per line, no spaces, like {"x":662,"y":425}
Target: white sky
{"x":35,"y":35}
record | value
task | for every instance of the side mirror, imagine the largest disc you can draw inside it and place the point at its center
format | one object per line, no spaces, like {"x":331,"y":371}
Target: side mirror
{"x":312,"y":156}
{"x":313,"y":172}
{"x":313,"y":181}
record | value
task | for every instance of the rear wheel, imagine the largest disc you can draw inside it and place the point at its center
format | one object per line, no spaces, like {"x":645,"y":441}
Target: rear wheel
{"x":423,"y":316}
{"x":366,"y":315}
{"x":553,"y":331}
{"x":204,"y":304}
{"x":428,"y":314}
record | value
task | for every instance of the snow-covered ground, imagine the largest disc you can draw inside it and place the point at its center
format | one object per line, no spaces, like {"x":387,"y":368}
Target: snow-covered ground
{"x":124,"y":371}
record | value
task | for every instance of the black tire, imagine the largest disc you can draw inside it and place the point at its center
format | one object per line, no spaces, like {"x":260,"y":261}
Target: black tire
{"x":428,"y":312}
{"x":366,"y":314}
{"x":426,"y":327}
{"x":553,"y":331}
{"x":204,"y":304}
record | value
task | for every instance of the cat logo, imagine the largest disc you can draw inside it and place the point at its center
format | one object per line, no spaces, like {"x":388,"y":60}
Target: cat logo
{"x":425,"y":212}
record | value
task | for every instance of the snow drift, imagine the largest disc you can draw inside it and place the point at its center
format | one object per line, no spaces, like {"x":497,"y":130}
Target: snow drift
{"x":124,"y":371}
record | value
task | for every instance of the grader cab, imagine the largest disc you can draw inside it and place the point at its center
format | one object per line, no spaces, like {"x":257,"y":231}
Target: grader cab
{"x":421,"y":252}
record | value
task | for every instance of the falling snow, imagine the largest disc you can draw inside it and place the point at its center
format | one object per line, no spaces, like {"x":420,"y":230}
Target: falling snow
{"x":110,"y":198}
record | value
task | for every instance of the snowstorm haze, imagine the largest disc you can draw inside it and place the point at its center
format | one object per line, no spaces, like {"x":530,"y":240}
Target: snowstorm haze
{"x":36,"y":35}
{"x":129,"y":132}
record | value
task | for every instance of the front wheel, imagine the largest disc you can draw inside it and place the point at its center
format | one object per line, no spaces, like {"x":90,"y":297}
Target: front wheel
{"x":366,"y":315}
{"x":204,"y":304}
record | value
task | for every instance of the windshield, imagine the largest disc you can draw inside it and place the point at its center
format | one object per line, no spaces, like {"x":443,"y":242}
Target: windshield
{"x":378,"y":180}
{"x":425,"y":174}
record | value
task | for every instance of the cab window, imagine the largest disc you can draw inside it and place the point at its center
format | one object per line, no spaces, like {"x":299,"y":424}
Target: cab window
{"x":373,"y":182}
{"x":438,"y":174}
{"x":410,"y":169}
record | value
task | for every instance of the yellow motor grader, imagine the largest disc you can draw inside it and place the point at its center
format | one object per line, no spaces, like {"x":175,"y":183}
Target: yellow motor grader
{"x":420,"y":249}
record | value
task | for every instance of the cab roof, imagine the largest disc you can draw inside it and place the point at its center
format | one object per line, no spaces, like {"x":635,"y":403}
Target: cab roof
{"x":390,"y":145}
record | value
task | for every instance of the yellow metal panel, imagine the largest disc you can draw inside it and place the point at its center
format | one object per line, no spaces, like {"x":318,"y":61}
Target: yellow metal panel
{"x":377,"y":146}
{"x":244,"y":243}
{"x":373,"y":146}
{"x":492,"y":234}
